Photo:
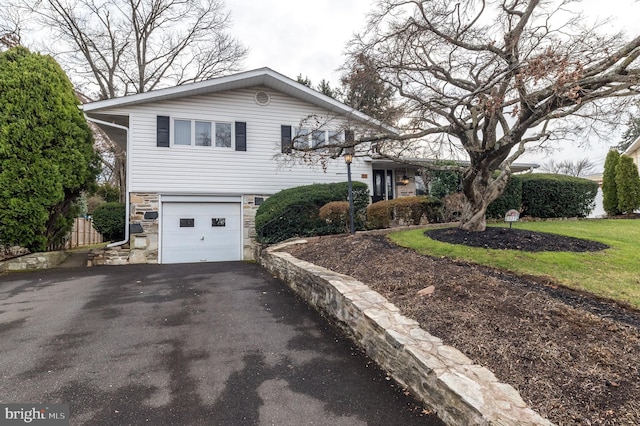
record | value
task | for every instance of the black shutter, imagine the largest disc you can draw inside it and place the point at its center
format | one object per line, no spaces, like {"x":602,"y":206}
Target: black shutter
{"x":349,"y":136}
{"x":285,"y":132}
{"x":163,"y":131}
{"x":241,"y":136}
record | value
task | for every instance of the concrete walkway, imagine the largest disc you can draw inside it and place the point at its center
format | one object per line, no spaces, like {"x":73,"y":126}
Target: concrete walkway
{"x":75,"y":259}
{"x":191,"y":344}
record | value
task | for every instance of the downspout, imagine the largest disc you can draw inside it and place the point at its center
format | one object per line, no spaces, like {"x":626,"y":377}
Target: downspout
{"x":127,"y":204}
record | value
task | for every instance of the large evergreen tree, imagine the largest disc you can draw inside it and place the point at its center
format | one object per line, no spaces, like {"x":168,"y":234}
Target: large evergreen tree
{"x":609,"y":189}
{"x":628,"y":185}
{"x":364,"y":90}
{"x":46,"y":150}
{"x":630,"y":134}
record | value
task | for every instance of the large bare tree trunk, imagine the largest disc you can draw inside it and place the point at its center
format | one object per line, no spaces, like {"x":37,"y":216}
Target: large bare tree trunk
{"x":480,"y":189}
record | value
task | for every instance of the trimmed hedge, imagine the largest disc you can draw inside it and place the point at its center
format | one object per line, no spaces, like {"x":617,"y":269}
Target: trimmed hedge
{"x":336,"y":214}
{"x":545,"y":196}
{"x":405,"y":211}
{"x":556,"y":196}
{"x":296,"y":211}
{"x":109,"y":220}
{"x":511,"y":198}
{"x":379,"y":215}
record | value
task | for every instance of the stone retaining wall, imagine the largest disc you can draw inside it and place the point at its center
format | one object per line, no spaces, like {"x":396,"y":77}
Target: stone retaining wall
{"x":109,"y":256}
{"x":461,"y":392}
{"x":34,"y":261}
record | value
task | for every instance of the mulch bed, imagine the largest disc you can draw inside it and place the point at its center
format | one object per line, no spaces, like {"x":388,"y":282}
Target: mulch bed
{"x":514,"y":239}
{"x":573,"y":357}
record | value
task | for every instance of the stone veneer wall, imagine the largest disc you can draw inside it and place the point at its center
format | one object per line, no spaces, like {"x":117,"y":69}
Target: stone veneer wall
{"x":34,"y":261}
{"x":462,"y":393}
{"x":250,"y":206}
{"x":143,"y":227}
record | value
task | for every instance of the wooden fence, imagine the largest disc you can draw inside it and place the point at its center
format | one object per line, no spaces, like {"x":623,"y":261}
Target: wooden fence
{"x":83,"y":234}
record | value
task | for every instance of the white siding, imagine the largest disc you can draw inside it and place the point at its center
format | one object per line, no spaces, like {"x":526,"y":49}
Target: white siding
{"x":225,"y":171}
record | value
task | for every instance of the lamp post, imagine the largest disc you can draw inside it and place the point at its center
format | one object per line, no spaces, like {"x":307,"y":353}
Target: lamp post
{"x":348,"y":158}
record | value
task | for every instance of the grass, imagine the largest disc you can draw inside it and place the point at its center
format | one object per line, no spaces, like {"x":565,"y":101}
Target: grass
{"x":613,"y":273}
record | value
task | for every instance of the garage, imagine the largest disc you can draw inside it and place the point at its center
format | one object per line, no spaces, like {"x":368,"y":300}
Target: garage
{"x":201,"y":231}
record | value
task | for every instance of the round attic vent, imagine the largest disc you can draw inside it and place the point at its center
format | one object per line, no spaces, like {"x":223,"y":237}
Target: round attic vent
{"x":263,"y":98}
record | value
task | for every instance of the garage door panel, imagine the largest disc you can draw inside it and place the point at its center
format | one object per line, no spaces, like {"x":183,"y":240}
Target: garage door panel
{"x":208,"y":232}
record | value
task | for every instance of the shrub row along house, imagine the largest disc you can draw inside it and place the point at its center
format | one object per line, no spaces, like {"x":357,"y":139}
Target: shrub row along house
{"x":202,"y":157}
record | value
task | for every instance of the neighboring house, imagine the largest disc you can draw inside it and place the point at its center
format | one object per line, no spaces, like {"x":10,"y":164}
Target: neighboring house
{"x":634,"y":151}
{"x":202,"y":157}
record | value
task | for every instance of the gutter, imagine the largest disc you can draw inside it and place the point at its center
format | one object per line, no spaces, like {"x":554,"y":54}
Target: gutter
{"x":127,"y":204}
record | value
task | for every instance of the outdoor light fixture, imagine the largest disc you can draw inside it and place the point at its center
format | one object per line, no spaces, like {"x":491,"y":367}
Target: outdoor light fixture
{"x":348,"y":158}
{"x":405,"y":180}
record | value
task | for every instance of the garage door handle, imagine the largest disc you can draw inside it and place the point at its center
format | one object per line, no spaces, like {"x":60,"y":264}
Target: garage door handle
{"x":202,"y":239}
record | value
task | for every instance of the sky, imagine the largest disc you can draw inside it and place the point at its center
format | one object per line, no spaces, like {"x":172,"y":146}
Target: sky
{"x":306,"y":37}
{"x":296,"y":37}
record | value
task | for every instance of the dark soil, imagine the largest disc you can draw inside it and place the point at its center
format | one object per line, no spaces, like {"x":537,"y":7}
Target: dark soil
{"x":514,"y":239}
{"x":573,"y":357}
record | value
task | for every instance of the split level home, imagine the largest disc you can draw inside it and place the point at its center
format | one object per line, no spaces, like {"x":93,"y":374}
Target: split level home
{"x":202,"y":157}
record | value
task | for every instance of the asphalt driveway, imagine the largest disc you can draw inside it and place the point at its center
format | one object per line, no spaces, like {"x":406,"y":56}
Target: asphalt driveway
{"x":193,"y":344}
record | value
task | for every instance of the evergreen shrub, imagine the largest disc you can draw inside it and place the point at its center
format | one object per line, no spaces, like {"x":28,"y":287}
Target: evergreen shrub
{"x":627,"y":185}
{"x":511,"y":199}
{"x":404,"y":211}
{"x":557,"y":196}
{"x":109,"y":220}
{"x":296,"y":211}
{"x":336,"y":215}
{"x":47,"y":157}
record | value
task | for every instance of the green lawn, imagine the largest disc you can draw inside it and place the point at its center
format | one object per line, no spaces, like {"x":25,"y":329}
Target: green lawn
{"x":613,"y":273}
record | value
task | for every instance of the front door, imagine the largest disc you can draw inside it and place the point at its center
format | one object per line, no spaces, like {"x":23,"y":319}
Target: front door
{"x":382,"y":185}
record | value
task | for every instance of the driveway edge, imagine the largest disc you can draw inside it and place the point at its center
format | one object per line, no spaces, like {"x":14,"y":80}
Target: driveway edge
{"x":442,"y":377}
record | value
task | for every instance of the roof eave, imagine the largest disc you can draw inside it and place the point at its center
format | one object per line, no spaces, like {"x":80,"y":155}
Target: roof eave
{"x":633,"y":147}
{"x":258,"y":77}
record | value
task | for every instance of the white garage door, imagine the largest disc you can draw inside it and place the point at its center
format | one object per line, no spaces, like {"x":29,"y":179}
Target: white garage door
{"x":201,"y":232}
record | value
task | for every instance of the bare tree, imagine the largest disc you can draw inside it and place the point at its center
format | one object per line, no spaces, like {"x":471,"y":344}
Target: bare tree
{"x":10,"y":27}
{"x":119,"y":47}
{"x":495,"y":77}
{"x":581,"y":167}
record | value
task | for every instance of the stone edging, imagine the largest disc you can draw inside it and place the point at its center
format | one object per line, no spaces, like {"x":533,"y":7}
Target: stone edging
{"x":442,"y":377}
{"x":34,"y":261}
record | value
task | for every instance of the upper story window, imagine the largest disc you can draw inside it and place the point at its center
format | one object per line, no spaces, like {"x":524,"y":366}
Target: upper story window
{"x":223,"y":135}
{"x":305,"y":138}
{"x":202,"y":133}
{"x":301,"y":138}
{"x":180,"y":132}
